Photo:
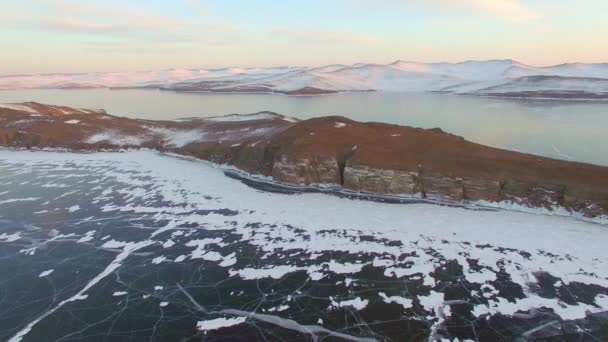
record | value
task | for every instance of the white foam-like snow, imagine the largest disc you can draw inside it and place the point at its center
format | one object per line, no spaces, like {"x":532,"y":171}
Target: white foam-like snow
{"x":278,"y":308}
{"x":431,"y":302}
{"x":158,"y":260}
{"x":344,"y":268}
{"x":45,"y":273}
{"x":601,"y":300}
{"x":12,"y":200}
{"x":88,"y":236}
{"x":405,"y":302}
{"x":274,"y":272}
{"x":564,"y":310}
{"x":72,"y":122}
{"x":218,"y":323}
{"x":10,"y":237}
{"x":200,"y":252}
{"x":355,"y":303}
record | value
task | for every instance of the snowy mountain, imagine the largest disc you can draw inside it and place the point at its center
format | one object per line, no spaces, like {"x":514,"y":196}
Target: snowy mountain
{"x":493,"y":77}
{"x":548,"y":87}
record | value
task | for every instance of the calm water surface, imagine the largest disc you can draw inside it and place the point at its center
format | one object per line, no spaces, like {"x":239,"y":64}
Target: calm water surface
{"x":568,"y":130}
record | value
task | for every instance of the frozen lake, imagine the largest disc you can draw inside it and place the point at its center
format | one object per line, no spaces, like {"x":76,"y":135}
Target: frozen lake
{"x":570,"y":130}
{"x":141,"y":246}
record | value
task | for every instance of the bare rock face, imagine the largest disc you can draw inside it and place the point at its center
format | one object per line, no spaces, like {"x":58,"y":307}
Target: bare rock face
{"x":372,"y":180}
{"x":436,"y":185}
{"x":306,"y":171}
{"x":481,"y":189}
{"x":373,"y":158}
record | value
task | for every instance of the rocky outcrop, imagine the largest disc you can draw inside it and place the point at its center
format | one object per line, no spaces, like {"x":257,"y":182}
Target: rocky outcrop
{"x":369,"y":179}
{"x":314,"y":169}
{"x":371,"y":158}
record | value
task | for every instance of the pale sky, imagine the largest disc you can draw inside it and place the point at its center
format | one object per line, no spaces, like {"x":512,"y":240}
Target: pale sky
{"x":119,"y":35}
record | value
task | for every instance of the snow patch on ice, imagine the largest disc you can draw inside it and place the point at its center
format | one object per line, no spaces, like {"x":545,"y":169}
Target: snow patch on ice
{"x":275,"y":272}
{"x":158,"y":260}
{"x":45,"y":273}
{"x":405,"y":302}
{"x":88,"y":236}
{"x":10,"y":237}
{"x":27,"y":199}
{"x":356,"y":303}
{"x":218,"y":323}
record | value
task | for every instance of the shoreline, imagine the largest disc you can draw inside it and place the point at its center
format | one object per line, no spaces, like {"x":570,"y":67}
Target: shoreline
{"x":266,"y":184}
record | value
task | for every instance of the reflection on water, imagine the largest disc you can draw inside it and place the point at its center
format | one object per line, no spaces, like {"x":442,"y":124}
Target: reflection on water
{"x":568,"y":130}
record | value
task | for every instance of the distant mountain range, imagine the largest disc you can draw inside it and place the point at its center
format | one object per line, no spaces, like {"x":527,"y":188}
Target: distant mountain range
{"x":486,"y":78}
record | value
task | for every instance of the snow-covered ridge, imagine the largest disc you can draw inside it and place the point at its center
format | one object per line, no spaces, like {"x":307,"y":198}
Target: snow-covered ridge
{"x":470,"y":77}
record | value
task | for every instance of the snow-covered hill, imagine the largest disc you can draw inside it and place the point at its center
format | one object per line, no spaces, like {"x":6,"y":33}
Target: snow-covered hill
{"x":494,"y":77}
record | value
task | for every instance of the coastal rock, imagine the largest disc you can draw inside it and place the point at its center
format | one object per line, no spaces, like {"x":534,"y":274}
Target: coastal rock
{"x":373,"y":180}
{"x":306,"y":171}
{"x":436,"y":185}
{"x":481,"y":189}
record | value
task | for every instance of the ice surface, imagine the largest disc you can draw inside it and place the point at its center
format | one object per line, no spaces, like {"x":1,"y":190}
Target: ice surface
{"x":302,"y":258}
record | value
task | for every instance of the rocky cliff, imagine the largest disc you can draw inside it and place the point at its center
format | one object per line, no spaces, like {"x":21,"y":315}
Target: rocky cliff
{"x":362,"y":157}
